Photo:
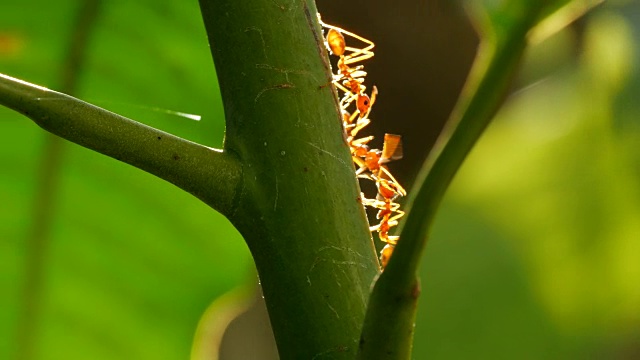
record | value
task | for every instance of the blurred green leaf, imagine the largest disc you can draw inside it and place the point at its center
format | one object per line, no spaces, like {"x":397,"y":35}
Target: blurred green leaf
{"x":499,"y":18}
{"x":133,"y":262}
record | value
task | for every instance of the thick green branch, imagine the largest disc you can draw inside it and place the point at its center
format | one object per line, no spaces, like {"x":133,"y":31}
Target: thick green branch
{"x":209,"y":174}
{"x":299,"y":207}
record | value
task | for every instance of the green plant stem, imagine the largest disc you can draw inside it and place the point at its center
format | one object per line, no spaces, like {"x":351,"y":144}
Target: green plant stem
{"x":299,"y":207}
{"x":389,"y":324}
{"x":211,"y":175}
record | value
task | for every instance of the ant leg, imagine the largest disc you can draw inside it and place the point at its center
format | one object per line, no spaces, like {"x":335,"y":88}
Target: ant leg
{"x":400,"y":190}
{"x":348,"y":33}
{"x":361,"y":124}
{"x":347,"y":99}
{"x":357,"y":55}
{"x":362,"y":166}
{"x":396,"y":217}
{"x":346,"y":91}
{"x":362,"y":141}
{"x":371,"y":202}
{"x":392,"y":240}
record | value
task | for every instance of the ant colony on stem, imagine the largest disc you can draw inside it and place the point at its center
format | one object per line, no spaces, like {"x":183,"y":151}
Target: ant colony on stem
{"x":356,"y":106}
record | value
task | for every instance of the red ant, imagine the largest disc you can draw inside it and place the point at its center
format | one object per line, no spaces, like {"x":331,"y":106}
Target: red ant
{"x":349,"y":79}
{"x":373,"y":166}
{"x":389,"y":213}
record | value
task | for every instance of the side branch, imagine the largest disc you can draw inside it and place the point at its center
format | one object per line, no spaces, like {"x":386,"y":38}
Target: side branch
{"x":209,"y":174}
{"x":393,"y":303}
{"x":388,"y":328}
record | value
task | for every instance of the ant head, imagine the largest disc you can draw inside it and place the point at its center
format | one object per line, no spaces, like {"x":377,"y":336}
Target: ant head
{"x":336,"y":42}
{"x":363,"y":103}
{"x":360,"y":150}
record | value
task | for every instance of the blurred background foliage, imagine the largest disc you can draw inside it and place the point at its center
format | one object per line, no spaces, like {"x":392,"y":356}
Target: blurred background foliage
{"x":132,"y":262}
{"x":535,"y":253}
{"x":537,"y":250}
